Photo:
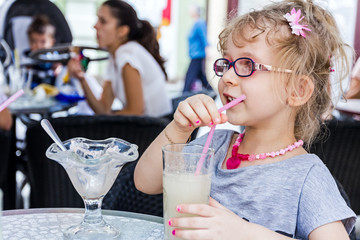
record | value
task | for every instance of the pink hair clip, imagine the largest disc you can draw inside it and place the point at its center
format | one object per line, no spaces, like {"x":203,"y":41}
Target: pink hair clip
{"x":294,"y":18}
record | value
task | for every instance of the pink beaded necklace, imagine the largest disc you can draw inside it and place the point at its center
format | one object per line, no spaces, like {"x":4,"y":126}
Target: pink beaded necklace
{"x":235,"y":160}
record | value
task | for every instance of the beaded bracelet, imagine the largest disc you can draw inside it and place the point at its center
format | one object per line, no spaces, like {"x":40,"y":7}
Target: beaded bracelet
{"x":171,"y":141}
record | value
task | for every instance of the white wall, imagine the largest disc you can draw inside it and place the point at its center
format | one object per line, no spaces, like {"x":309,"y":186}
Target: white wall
{"x":169,"y":40}
{"x":217,"y":15}
{"x":81,"y":17}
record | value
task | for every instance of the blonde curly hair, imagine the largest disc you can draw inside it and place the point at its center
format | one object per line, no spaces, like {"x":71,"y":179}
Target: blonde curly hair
{"x":313,"y":56}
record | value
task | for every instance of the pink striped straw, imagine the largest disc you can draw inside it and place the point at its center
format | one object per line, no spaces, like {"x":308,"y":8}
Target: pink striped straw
{"x":212,"y":130}
{"x":11,"y":99}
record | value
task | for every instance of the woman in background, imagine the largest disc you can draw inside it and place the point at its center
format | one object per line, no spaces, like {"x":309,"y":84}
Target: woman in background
{"x":135,"y":73}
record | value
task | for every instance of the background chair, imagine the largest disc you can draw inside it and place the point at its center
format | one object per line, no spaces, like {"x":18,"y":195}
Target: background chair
{"x":50,"y":185}
{"x":340,"y":151}
{"x":6,"y":182}
{"x":5,"y":145}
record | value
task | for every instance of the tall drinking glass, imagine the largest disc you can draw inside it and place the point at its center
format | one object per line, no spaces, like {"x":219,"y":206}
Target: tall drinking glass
{"x":181,"y":182}
{"x":92,"y":166}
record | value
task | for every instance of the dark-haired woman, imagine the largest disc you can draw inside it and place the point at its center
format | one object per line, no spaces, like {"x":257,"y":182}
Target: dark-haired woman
{"x":135,"y":73}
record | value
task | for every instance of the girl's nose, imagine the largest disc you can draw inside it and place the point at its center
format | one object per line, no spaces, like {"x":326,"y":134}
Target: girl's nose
{"x":230,"y":77}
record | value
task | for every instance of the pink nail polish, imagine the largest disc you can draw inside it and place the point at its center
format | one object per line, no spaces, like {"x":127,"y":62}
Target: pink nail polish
{"x":190,"y":125}
{"x":197,"y":121}
{"x":178,"y":208}
{"x":211,"y":123}
{"x":173,"y":232}
{"x":169,"y":222}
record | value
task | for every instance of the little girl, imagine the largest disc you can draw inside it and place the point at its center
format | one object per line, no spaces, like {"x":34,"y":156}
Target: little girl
{"x":264,"y":184}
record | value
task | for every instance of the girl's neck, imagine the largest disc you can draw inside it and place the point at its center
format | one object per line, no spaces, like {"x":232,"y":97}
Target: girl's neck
{"x":260,"y":140}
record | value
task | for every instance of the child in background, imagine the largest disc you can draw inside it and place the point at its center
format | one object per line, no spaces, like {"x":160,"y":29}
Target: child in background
{"x":264,"y":185}
{"x":41,"y":34}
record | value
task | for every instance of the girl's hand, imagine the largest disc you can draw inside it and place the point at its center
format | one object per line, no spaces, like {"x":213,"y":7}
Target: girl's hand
{"x":214,"y":222}
{"x":196,"y":111}
{"x":75,"y":69}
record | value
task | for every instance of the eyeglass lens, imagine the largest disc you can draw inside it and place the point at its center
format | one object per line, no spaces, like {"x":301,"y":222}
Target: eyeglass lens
{"x":243,"y":66}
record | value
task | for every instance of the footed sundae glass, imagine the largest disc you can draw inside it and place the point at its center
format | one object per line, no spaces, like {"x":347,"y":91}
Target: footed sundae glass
{"x":92,"y":166}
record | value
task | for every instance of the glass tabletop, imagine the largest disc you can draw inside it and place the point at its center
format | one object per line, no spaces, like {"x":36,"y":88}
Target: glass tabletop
{"x":49,"y":223}
{"x":46,"y":106}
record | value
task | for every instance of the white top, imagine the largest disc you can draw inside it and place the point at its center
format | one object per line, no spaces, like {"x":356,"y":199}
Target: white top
{"x":157,"y":103}
{"x":75,"y":88}
{"x":3,"y":97}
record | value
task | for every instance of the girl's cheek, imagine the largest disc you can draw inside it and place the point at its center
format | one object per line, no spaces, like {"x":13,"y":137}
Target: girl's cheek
{"x":221,"y":85}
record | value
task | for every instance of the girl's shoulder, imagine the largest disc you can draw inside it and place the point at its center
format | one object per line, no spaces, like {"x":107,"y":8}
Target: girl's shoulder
{"x":300,"y":165}
{"x":305,"y":159}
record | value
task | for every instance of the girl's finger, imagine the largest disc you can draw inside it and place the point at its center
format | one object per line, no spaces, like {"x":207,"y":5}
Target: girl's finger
{"x":223,"y":118}
{"x":204,"y":117}
{"x":199,"y":234}
{"x":188,"y":112}
{"x":211,"y":108}
{"x":216,"y":204}
{"x":182,"y":120}
{"x":203,"y":210}
{"x":189,"y":222}
{"x":205,"y":108}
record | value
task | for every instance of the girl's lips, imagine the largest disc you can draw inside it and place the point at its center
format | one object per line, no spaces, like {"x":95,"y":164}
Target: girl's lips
{"x":232,"y":103}
{"x":228,"y":97}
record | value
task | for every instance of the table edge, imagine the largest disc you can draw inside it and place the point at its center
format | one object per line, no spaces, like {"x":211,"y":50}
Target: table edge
{"x":105,"y":212}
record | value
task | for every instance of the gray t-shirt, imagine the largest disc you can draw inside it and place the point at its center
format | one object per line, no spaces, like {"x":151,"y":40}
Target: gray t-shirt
{"x":292,"y":197}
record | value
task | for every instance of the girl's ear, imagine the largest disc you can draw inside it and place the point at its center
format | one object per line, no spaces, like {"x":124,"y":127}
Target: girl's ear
{"x":302,"y":93}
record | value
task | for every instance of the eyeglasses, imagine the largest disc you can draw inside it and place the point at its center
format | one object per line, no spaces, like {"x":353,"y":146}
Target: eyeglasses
{"x":244,"y":67}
